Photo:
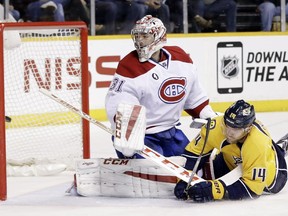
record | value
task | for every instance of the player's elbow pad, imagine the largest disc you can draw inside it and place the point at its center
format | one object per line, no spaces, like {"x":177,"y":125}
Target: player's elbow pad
{"x":239,"y":190}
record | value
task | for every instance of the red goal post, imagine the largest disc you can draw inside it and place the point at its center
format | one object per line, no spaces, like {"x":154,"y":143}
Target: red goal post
{"x":50,"y":55}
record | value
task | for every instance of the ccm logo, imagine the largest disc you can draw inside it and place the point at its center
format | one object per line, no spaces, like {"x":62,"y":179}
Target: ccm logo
{"x":116,"y":161}
{"x":118,"y":125}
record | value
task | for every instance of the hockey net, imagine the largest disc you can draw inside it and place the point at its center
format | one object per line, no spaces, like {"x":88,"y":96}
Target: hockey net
{"x":42,"y":55}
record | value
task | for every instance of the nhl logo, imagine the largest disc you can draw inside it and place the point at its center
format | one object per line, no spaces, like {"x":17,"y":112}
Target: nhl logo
{"x":229,"y":67}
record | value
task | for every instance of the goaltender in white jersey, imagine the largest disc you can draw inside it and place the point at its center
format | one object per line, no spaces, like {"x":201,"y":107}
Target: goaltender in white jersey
{"x":162,"y":79}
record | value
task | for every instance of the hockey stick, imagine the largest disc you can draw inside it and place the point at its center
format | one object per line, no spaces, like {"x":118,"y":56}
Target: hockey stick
{"x":147,"y":152}
{"x":199,"y":157}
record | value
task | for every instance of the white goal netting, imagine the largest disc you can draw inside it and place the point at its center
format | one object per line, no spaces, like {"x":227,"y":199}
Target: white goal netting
{"x":43,"y":131}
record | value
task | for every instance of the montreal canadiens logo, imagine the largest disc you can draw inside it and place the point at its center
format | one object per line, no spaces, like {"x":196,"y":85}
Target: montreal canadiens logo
{"x":172,"y":90}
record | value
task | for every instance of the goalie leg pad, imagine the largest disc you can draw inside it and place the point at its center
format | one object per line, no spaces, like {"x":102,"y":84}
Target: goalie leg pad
{"x":115,"y":177}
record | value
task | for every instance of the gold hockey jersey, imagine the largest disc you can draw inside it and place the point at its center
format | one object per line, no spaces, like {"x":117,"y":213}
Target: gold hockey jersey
{"x":256,"y":153}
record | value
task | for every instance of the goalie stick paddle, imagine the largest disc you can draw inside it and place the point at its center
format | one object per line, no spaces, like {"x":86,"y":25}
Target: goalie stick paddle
{"x":146,"y":152}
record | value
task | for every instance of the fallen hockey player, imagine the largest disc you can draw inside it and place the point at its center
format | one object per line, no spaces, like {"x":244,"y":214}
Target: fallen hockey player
{"x":240,"y":139}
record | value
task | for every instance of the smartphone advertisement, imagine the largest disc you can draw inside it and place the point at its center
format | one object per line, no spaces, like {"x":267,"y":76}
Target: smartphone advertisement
{"x":229,"y":67}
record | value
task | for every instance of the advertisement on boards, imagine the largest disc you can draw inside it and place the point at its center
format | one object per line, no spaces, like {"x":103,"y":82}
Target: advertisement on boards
{"x":229,"y":67}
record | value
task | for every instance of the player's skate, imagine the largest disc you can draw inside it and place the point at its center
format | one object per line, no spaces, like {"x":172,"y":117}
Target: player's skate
{"x":283,"y":143}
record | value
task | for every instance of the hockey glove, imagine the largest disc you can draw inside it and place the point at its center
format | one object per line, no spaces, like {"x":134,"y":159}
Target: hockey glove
{"x":130,"y":129}
{"x":207,"y":191}
{"x":179,"y":190}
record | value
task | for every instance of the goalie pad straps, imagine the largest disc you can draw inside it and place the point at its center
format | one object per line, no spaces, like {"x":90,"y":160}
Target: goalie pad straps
{"x":113,"y":177}
{"x":130,"y":129}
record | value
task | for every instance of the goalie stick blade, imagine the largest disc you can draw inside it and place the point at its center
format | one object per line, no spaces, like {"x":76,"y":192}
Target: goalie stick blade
{"x":147,"y":152}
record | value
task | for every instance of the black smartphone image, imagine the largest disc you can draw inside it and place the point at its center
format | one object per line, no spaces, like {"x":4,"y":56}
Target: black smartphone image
{"x":229,"y":67}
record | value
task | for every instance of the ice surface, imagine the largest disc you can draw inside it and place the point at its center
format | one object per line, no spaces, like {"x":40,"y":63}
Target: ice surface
{"x":29,"y":196}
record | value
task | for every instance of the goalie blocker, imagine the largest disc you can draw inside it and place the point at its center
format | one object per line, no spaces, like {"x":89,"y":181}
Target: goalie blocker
{"x":130,"y":129}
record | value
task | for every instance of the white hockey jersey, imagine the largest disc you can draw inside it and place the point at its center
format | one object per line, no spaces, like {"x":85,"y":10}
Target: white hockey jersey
{"x":165,"y":88}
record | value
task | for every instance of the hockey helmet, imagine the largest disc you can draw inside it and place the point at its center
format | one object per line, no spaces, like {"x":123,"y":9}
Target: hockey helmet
{"x":239,"y":115}
{"x":151,"y":27}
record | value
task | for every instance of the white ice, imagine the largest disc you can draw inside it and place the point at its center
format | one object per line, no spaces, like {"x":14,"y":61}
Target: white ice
{"x":45,"y":196}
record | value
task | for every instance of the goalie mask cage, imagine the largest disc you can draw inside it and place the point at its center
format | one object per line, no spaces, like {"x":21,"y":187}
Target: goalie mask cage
{"x":51,"y":56}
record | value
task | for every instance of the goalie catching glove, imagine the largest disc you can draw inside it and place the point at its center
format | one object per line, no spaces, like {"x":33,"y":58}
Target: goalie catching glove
{"x":201,"y":192}
{"x":130,"y":129}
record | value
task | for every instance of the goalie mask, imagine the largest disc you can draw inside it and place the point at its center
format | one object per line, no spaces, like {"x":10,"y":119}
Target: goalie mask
{"x":149,"y":35}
